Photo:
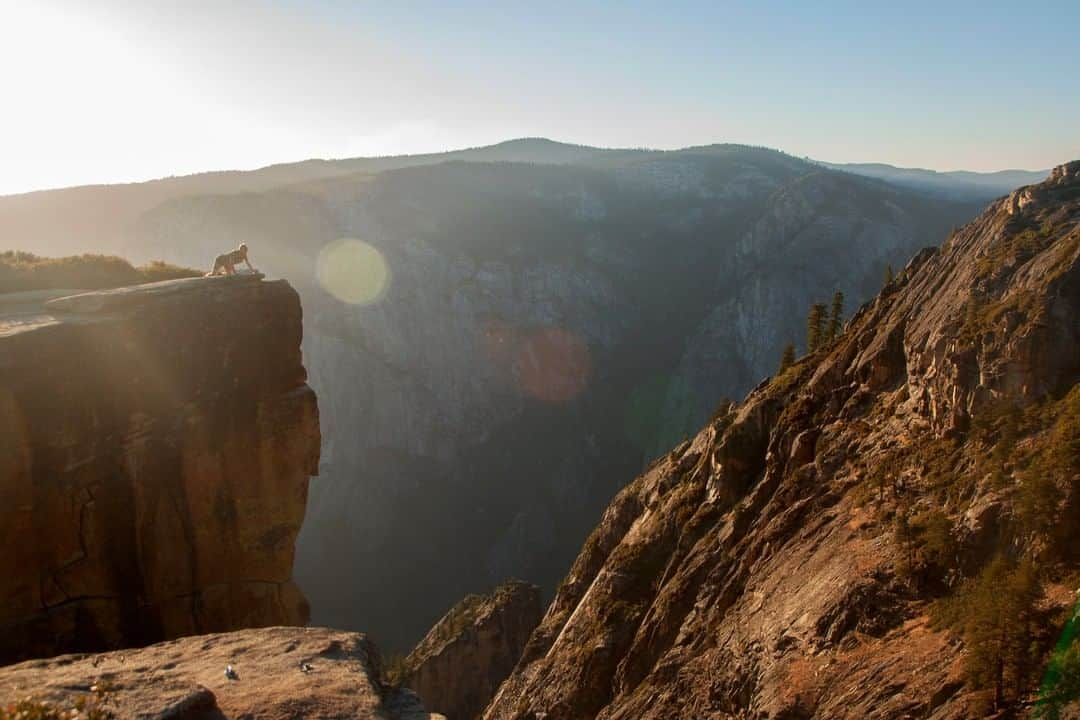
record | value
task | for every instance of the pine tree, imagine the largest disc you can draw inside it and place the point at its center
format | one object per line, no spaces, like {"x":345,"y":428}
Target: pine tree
{"x":1000,"y":611}
{"x":836,"y":317}
{"x":815,"y":327}
{"x":888,"y":275}
{"x":787,"y":359}
{"x":936,"y":532}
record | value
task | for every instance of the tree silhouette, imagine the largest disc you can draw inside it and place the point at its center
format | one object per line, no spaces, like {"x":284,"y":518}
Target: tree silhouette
{"x":787,"y":359}
{"x":1000,"y":612}
{"x":815,"y":327}
{"x":836,"y":316}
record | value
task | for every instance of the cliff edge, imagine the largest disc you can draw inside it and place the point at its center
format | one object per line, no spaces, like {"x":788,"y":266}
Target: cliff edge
{"x":156,"y":443}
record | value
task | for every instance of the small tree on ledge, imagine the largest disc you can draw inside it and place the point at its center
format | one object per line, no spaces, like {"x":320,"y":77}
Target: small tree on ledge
{"x":836,"y":316}
{"x":787,"y":359}
{"x":815,"y":327}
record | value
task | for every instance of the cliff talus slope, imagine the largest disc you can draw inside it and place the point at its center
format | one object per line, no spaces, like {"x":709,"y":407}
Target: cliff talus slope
{"x":155,"y":449}
{"x":799,"y":557}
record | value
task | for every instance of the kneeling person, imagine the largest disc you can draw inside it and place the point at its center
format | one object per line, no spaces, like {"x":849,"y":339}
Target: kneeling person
{"x":226,"y":264}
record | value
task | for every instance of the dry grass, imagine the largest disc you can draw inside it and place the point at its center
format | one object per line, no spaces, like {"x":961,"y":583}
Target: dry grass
{"x":21,"y":271}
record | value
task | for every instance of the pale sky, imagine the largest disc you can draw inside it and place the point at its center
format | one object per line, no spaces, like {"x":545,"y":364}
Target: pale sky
{"x":122,"y":90}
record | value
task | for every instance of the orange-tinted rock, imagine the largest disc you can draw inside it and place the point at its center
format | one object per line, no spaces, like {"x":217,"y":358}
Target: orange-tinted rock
{"x":155,"y":449}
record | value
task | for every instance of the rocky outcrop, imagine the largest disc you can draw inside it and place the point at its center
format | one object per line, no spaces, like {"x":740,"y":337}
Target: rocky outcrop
{"x":155,"y":448}
{"x":277,"y":674}
{"x":758,"y":570}
{"x":460,"y":663}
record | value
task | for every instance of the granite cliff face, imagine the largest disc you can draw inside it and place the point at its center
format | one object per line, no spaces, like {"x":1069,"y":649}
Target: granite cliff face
{"x":799,"y":556}
{"x":155,"y":448}
{"x":461,"y":662}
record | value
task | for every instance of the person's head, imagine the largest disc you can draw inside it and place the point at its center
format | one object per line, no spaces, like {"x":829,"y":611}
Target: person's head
{"x":243,"y":249}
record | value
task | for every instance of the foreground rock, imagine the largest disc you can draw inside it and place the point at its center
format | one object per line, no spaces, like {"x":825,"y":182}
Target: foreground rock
{"x":461,"y":662}
{"x":155,"y":449}
{"x":787,"y":562}
{"x":279,"y":673}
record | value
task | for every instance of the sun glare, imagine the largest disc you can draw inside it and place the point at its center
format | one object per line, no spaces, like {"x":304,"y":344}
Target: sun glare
{"x":87,"y":91}
{"x":353,"y":271}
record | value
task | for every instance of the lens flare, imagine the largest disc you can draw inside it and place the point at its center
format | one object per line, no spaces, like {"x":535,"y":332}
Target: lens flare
{"x":353,"y":271}
{"x":554,"y":365}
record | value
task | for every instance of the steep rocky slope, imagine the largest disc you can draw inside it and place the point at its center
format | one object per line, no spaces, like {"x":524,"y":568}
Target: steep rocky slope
{"x":280,"y":674}
{"x":461,"y":662}
{"x":604,"y":300}
{"x":854,"y":539}
{"x":155,"y":447}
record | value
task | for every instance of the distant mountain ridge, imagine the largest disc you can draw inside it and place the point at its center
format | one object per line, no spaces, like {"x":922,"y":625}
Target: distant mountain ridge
{"x":958,"y":184}
{"x":525,"y":149}
{"x":64,"y":221}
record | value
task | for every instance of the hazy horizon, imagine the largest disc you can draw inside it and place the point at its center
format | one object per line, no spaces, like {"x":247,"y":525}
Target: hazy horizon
{"x":503,"y":142}
{"x":448,"y":150}
{"x":116,"y":91}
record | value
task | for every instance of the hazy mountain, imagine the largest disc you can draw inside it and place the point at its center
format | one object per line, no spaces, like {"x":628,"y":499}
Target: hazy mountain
{"x":65,"y":221}
{"x":547,"y":328}
{"x":959,"y":184}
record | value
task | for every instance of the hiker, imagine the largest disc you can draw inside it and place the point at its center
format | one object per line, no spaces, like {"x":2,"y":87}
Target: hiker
{"x":227,"y":263}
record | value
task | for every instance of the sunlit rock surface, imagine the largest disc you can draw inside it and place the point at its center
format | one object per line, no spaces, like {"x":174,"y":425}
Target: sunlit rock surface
{"x":279,"y":673}
{"x":155,"y":449}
